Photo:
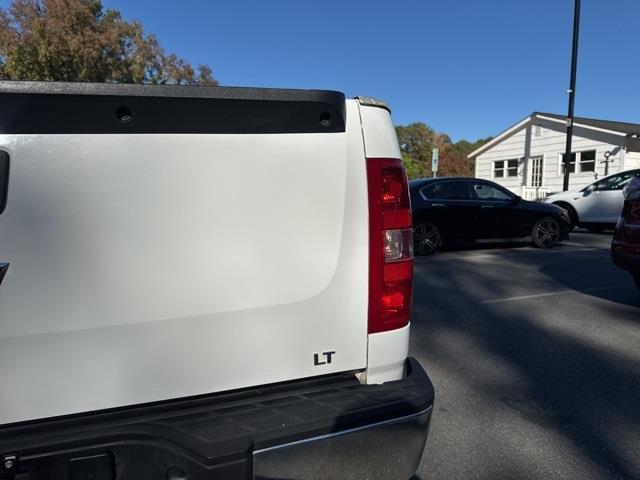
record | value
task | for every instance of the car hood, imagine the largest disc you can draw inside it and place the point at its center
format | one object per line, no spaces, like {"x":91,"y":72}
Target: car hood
{"x":542,"y":207}
{"x":547,"y":209}
{"x":554,"y":197}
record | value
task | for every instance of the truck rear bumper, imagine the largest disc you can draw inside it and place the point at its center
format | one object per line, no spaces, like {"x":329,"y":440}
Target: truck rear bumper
{"x":387,"y":450}
{"x":331,"y":427}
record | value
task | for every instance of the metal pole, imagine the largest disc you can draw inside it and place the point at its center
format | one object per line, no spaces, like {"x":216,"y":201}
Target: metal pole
{"x":572,"y":93}
{"x":435,"y":152}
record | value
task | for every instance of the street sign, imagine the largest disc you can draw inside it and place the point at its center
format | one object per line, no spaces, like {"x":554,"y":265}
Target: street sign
{"x":434,"y":161}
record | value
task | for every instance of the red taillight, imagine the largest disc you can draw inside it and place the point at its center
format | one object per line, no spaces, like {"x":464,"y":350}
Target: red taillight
{"x":390,"y":245}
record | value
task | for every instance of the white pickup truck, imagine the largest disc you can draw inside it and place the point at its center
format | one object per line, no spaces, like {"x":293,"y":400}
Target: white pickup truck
{"x":204,"y":283}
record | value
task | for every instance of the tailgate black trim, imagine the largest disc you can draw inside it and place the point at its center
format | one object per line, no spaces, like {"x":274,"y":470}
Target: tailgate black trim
{"x":220,"y":431}
{"x":94,"y":108}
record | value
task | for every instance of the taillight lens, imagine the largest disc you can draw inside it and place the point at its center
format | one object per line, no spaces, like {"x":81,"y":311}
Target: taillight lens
{"x":398,"y":244}
{"x":390,"y":245}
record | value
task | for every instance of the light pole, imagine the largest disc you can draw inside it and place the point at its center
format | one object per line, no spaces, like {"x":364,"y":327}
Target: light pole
{"x":572,"y":92}
{"x":607,"y":160}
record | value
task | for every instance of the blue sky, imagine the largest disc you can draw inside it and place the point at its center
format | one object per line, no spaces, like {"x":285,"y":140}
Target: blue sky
{"x":469,"y":68}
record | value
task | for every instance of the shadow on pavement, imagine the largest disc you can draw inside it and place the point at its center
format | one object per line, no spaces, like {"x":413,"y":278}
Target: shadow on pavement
{"x":574,"y":279}
{"x":562,"y":381}
{"x":587,"y":267}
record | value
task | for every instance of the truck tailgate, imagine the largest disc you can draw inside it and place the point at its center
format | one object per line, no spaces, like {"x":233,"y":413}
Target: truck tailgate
{"x":146,"y":267}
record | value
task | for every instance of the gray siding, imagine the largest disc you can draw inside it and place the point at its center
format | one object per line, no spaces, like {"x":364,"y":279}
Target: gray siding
{"x":632,"y":160}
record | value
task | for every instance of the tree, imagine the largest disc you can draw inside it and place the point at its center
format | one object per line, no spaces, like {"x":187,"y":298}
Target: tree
{"x":417,"y":141}
{"x":454,"y":161}
{"x":414,"y":168}
{"x":79,"y":41}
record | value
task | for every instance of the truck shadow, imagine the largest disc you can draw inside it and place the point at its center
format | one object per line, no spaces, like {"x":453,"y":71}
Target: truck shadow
{"x":518,"y":391}
{"x":587,"y":266}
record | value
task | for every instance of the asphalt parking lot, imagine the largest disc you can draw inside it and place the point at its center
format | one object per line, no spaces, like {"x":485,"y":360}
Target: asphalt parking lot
{"x":535,"y":356}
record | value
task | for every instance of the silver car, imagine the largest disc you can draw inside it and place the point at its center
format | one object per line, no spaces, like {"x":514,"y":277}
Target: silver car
{"x":598,"y":205}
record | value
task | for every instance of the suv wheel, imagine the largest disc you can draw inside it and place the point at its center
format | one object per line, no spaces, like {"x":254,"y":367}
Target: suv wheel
{"x":546,"y":232}
{"x":426,"y":238}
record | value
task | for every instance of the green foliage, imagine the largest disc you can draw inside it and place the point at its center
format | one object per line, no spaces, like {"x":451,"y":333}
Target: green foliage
{"x":417,"y":141}
{"x":77,"y":40}
{"x":414,"y":168}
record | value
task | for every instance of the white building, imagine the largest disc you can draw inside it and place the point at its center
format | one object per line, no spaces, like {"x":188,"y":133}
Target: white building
{"x":528,"y":157}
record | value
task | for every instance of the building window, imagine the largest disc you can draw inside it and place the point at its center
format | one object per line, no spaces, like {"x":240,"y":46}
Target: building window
{"x":588,"y":161}
{"x":505,"y":168}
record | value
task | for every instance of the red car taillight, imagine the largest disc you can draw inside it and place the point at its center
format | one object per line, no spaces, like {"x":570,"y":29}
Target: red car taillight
{"x":390,"y":245}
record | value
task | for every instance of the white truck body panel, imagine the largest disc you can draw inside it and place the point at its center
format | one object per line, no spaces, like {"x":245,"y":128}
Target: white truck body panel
{"x":387,"y":351}
{"x":380,"y":140}
{"x":151,"y":267}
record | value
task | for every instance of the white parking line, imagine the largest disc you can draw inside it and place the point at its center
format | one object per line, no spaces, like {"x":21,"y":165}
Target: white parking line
{"x":583,"y":246}
{"x":554,"y":294}
{"x":493,"y":255}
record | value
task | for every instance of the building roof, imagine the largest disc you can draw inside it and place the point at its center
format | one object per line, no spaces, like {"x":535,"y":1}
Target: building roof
{"x":620,"y":128}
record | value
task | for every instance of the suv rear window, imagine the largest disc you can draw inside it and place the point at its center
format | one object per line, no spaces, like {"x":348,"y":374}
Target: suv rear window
{"x":446,"y":191}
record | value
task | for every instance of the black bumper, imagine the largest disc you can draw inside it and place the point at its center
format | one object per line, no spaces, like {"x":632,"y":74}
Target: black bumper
{"x":331,"y":427}
{"x":630,"y":263}
{"x":566,"y":227}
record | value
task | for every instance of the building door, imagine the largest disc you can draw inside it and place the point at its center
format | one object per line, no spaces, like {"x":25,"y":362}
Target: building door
{"x":536,"y":172}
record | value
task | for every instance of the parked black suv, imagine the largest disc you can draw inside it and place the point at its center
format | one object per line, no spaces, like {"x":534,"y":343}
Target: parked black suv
{"x":458,"y":209}
{"x":625,"y":248}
